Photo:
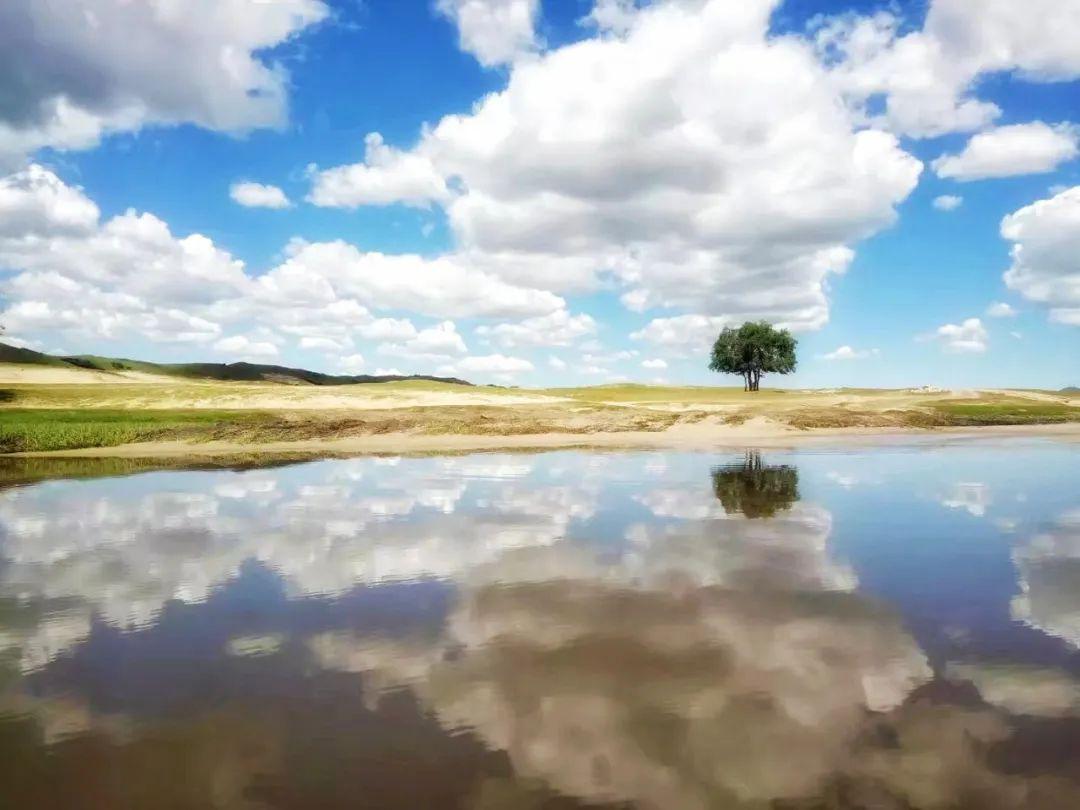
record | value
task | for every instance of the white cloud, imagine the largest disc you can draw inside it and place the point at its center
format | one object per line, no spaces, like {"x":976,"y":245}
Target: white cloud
{"x":848,"y":353}
{"x":321,"y":343}
{"x":435,"y":343}
{"x":352,"y":363}
{"x":130,"y":277}
{"x":969,"y":337}
{"x":689,"y":332}
{"x":687,"y":186}
{"x":999,"y":309}
{"x":70,"y":73}
{"x":948,"y":202}
{"x":257,"y":195}
{"x":392,"y":329}
{"x":557,"y":363}
{"x":927,"y":76}
{"x":560,"y":328}
{"x":495,"y":362}
{"x":1046,"y":254}
{"x":654,"y":363}
{"x":494,"y":31}
{"x":36,"y":202}
{"x":440,"y":287}
{"x":616,"y":16}
{"x":386,"y":176}
{"x":497,"y":365}
{"x":127,"y":276}
{"x":242,"y":346}
{"x":1033,"y":148}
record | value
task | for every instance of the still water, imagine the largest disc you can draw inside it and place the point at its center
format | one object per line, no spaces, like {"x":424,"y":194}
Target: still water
{"x":894,"y":627}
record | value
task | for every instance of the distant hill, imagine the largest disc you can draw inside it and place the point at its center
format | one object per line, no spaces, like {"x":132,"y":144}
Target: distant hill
{"x":1070,"y":389}
{"x":239,"y":372}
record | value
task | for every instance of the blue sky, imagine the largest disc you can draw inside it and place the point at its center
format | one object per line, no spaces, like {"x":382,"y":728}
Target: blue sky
{"x":558,"y":191}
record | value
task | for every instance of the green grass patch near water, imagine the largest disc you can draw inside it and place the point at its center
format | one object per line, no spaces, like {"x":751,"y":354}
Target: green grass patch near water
{"x":1021,"y":412}
{"x":33,"y":430}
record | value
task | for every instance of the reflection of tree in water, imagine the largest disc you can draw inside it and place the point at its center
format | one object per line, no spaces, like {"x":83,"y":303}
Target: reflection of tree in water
{"x":754,"y":488}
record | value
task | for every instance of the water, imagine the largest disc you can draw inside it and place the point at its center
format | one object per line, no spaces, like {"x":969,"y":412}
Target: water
{"x":882,"y":628}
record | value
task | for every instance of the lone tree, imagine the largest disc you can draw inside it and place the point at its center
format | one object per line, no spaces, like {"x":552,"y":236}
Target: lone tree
{"x":752,"y":350}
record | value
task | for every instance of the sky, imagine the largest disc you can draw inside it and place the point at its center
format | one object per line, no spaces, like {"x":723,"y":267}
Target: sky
{"x":547,"y":192}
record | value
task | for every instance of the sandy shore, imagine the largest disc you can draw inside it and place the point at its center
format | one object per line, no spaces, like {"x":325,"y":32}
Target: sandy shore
{"x":758,"y":432}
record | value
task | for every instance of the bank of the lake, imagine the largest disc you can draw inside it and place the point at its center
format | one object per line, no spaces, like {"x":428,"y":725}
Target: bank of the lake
{"x":209,"y":418}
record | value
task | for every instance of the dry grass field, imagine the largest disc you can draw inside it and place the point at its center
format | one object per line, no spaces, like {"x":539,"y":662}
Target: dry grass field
{"x":73,"y":410}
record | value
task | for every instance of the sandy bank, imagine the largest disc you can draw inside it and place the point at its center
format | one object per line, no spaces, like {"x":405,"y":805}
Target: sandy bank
{"x":15,"y":374}
{"x":758,"y":432}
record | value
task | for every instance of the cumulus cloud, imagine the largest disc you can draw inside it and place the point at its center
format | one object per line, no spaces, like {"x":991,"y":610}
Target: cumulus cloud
{"x":131,"y":277}
{"x":257,"y":195}
{"x":35,"y":202}
{"x":386,"y":176}
{"x":654,"y":363}
{"x":927,"y":76}
{"x":999,"y":309}
{"x":560,"y":328}
{"x":691,"y":332}
{"x":352,"y":363}
{"x":848,"y":353}
{"x":616,"y":16}
{"x":1033,"y":148}
{"x":494,"y":31}
{"x":586,"y":171}
{"x":948,"y":202}
{"x":243,"y":346}
{"x":72,"y":73}
{"x":442,"y":287}
{"x":434,"y":343}
{"x":489,"y":366}
{"x":1046,"y":254}
{"x":128,"y":275}
{"x":392,"y":329}
{"x":969,"y":337}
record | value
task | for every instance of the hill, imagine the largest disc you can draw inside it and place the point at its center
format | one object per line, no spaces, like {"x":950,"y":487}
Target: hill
{"x":230,"y":372}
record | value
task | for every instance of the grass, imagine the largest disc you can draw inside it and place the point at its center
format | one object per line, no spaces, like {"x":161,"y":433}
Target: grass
{"x":41,"y":418}
{"x":1018,"y":412}
{"x":30,"y":430}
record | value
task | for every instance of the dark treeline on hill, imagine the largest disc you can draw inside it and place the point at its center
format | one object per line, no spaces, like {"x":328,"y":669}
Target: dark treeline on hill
{"x":236,"y":372}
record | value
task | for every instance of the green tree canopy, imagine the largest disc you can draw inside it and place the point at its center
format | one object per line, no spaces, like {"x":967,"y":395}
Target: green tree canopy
{"x":752,"y":350}
{"x":754,"y":488}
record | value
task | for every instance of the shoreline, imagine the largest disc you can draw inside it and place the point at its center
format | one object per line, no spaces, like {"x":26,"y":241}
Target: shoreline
{"x":756,"y":433}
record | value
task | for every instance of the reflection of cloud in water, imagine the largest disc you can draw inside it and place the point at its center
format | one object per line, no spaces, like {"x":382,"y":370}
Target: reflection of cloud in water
{"x":842,"y":479}
{"x":121,"y":556}
{"x":1049,"y":572}
{"x":1022,"y":689}
{"x":783,"y":552}
{"x":668,"y":699}
{"x":972,"y":497}
{"x":718,"y":661}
